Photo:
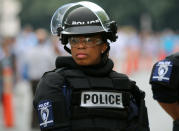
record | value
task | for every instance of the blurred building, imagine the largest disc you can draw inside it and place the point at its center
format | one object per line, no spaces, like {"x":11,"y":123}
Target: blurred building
{"x":9,"y":21}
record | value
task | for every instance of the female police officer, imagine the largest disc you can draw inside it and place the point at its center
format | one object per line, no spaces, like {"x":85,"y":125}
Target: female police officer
{"x":83,"y":92}
{"x":165,"y":86}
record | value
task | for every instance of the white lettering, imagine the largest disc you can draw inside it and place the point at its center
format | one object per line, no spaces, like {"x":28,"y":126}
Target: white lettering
{"x":85,"y":22}
{"x":73,"y":22}
{"x":46,"y":104}
{"x":101,"y":99}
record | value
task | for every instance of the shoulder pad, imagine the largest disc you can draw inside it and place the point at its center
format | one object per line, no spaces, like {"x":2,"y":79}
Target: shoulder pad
{"x":174,"y":58}
{"x":115,"y":74}
{"x":120,"y":80}
{"x":175,"y":55}
{"x":58,"y":70}
{"x":48,"y":72}
{"x":54,"y":70}
{"x":70,"y":72}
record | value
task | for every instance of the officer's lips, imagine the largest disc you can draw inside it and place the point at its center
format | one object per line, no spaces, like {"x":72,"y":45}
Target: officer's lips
{"x":81,"y":55}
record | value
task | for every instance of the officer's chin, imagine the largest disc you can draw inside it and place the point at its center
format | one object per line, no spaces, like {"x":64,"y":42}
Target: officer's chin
{"x":82,"y":63}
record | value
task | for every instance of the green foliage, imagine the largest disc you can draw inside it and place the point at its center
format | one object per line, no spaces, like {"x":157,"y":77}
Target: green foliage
{"x":126,"y":12}
{"x":38,"y":13}
{"x":158,"y":10}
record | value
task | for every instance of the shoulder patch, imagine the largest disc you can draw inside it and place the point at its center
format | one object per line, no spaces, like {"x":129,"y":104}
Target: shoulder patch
{"x":162,"y":71}
{"x":45,"y":114}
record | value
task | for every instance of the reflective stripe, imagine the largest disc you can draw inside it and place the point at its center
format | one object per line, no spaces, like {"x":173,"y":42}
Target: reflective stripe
{"x":45,"y":123}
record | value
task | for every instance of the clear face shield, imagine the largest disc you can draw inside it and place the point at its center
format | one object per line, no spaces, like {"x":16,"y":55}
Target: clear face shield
{"x":61,"y":13}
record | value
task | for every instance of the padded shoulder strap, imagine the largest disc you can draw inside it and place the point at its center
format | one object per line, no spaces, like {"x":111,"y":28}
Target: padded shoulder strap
{"x":120,"y":81}
{"x":137,"y":93}
{"x":58,"y":70}
{"x":114,"y":74}
{"x":125,"y":83}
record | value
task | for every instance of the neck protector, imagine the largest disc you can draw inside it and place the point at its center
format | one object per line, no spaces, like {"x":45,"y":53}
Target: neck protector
{"x":101,"y":69}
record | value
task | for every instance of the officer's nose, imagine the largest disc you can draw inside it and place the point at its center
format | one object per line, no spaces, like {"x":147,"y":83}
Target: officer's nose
{"x":81,"y":44}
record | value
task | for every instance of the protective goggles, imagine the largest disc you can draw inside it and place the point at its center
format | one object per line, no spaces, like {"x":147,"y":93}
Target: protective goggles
{"x":86,"y":41}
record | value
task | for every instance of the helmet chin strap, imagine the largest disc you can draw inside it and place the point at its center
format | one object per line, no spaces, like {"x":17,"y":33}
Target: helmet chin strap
{"x":67,"y":49}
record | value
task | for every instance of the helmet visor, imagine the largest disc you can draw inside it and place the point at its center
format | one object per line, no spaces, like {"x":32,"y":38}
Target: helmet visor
{"x":61,"y":13}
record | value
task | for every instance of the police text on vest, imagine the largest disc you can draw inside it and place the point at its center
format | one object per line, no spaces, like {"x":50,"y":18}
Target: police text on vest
{"x":96,"y":99}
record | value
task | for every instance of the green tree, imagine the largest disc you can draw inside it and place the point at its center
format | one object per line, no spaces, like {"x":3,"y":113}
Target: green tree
{"x":38,"y":13}
{"x":126,"y":12}
{"x":157,"y":9}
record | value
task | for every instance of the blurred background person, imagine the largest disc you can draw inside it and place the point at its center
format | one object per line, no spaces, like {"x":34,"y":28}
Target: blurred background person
{"x":167,"y":43}
{"x":176,"y":45}
{"x":59,"y":50}
{"x":1,"y":86}
{"x":24,"y":41}
{"x":149,"y":49}
{"x":39,"y":59}
{"x":118,"y":53}
{"x":132,"y":49}
{"x":8,"y":77}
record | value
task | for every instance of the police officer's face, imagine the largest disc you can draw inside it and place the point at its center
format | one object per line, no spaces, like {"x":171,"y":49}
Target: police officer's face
{"x":87,"y":50}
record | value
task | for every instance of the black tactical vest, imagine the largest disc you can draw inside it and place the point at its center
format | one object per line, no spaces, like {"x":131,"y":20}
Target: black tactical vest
{"x":110,"y":103}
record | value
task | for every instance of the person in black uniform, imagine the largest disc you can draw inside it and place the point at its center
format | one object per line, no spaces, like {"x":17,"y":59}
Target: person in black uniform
{"x":165,"y":86}
{"x":83,"y":93}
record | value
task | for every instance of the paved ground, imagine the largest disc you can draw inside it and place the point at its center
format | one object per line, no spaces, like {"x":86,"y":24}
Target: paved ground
{"x":159,"y":120}
{"x":22,"y":100}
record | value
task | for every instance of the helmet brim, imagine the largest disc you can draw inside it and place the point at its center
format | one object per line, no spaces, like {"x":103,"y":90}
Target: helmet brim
{"x":78,"y":30}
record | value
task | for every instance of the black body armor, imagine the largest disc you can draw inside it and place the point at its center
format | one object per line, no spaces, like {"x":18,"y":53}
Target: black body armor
{"x":111,"y":118}
{"x":81,"y":102}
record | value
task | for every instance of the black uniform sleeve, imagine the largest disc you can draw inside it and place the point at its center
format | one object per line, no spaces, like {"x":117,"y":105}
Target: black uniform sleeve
{"x":164,"y":81}
{"x":139,"y":96}
{"x":49,"y":102}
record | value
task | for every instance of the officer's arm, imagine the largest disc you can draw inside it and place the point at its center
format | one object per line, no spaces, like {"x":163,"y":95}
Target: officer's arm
{"x":172,"y":109}
{"x":49,"y":102}
{"x":167,"y":98}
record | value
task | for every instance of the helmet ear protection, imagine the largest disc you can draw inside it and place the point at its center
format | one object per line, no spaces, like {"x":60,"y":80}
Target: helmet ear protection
{"x":62,"y":38}
{"x":112,"y":31}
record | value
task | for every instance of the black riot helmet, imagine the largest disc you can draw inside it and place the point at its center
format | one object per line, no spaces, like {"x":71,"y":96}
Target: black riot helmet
{"x":82,"y":18}
{"x":82,"y":21}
